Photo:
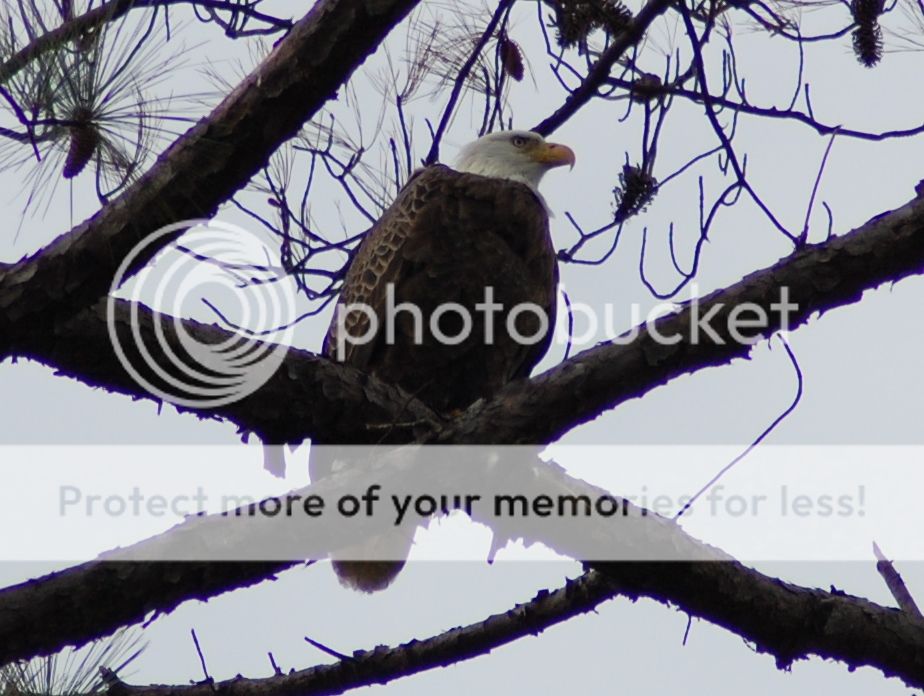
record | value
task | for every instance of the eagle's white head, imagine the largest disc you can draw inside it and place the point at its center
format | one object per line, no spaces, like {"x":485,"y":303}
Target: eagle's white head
{"x":522,"y":156}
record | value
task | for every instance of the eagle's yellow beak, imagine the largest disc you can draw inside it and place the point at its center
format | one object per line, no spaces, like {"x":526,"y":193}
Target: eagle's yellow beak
{"x":555,"y":155}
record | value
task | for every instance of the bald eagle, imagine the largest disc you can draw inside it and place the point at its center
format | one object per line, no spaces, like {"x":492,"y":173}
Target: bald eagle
{"x":452,"y":241}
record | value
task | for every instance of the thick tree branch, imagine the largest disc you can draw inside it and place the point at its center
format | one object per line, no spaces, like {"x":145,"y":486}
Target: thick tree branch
{"x":73,"y":611}
{"x":785,"y":620}
{"x":380,"y":666}
{"x":308,"y":395}
{"x":816,"y":610}
{"x":203,"y":168}
{"x":42,"y":315}
{"x":313,"y":397}
{"x":782,"y":619}
{"x":42,"y":616}
{"x":815,"y":622}
{"x":818,"y":278}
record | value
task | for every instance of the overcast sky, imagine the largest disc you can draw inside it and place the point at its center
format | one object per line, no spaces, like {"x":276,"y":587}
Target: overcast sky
{"x":862,"y":387}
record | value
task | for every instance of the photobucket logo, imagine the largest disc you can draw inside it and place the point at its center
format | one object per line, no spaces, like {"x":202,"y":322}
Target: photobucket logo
{"x":358,"y":323}
{"x":213,"y":264}
{"x":526,"y":323}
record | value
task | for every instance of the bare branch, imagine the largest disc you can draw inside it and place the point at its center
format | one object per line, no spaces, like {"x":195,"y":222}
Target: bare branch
{"x":381,"y":666}
{"x":598,"y":75}
{"x":205,"y":166}
{"x":772,"y":112}
{"x":895,"y":583}
{"x":328,"y":400}
{"x":817,"y":278}
{"x":434,"y":153}
{"x":759,"y":608}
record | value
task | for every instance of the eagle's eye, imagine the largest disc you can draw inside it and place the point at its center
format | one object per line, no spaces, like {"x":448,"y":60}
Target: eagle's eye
{"x":519,"y":141}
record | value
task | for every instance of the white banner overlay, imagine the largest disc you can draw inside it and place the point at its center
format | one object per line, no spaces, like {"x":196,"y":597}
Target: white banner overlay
{"x":780,"y":503}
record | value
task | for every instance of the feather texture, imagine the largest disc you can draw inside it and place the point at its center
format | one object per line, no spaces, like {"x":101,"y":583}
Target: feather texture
{"x":447,"y":237}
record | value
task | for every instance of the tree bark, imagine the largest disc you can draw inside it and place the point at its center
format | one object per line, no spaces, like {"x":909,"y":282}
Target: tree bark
{"x":312,"y":397}
{"x":202,"y":169}
{"x":790,"y":622}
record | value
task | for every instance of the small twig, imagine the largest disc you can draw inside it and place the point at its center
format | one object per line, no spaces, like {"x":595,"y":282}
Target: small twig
{"x":330,"y":651}
{"x":760,"y":438}
{"x":434,"y":153}
{"x":895,"y":583}
{"x":205,"y":670}
{"x":276,"y":670}
{"x":570,"y":343}
{"x":725,"y":139}
{"x":830,"y":220}
{"x":803,"y":237}
{"x":686,"y":632}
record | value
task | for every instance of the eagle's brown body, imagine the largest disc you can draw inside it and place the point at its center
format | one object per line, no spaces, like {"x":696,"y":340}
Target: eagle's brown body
{"x":446,"y":238}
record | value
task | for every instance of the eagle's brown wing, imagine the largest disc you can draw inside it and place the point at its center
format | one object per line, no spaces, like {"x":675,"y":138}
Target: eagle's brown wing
{"x":447,"y":237}
{"x":377,"y":262}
